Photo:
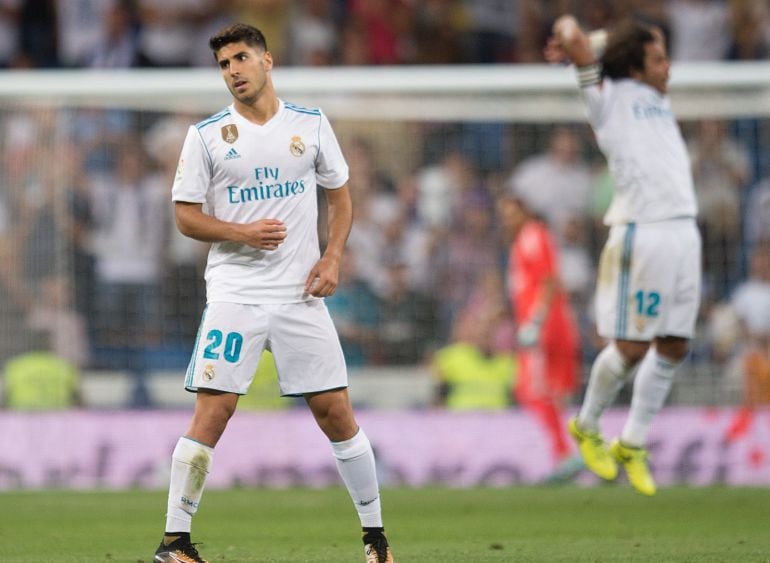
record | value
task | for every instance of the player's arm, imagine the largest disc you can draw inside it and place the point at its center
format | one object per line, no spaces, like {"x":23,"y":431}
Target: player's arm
{"x":324,"y":276}
{"x":572,"y":44}
{"x":265,"y":234}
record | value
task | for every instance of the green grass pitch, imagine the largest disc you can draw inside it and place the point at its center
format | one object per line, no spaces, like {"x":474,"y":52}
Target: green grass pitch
{"x":571,"y":524}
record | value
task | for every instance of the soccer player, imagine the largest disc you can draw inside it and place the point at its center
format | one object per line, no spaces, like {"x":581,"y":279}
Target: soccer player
{"x":246,"y":182}
{"x":648,"y":287}
{"x":547,"y":332}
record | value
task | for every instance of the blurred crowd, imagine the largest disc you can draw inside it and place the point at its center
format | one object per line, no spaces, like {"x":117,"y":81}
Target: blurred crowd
{"x":93,"y":269}
{"x":148,"y":33}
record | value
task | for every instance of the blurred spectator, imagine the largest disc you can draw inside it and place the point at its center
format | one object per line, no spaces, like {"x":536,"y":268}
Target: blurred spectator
{"x":183,"y":283}
{"x":312,"y":35}
{"x":386,"y":27}
{"x":117,"y":45}
{"x":547,"y":334}
{"x":556,"y":184}
{"x":167,"y":31}
{"x":757,"y":214}
{"x":751,"y":305}
{"x":80,"y":29}
{"x":440,"y":188}
{"x":40,"y":381}
{"x":355,"y":309}
{"x":406,"y":323}
{"x":751,"y":299}
{"x":750,"y":30}
{"x":477,"y":369}
{"x":37,"y":34}
{"x":463,"y":257}
{"x":438,"y":26}
{"x":131,"y":219}
{"x":272,"y":17}
{"x":54,"y":315}
{"x":720,"y":171}
{"x":700,"y":30}
{"x":492,"y":29}
{"x":9,"y":31}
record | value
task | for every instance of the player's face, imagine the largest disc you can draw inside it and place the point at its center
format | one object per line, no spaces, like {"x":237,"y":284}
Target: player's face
{"x":245,"y":69}
{"x":656,"y":66}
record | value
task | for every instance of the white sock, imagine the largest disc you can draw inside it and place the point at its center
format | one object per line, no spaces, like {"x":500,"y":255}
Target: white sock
{"x":355,"y":462}
{"x":651,"y":387}
{"x":609,"y":373}
{"x":190,"y":464}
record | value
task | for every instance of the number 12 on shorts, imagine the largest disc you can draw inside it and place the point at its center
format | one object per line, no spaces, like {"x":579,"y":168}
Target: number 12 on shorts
{"x":647,"y":303}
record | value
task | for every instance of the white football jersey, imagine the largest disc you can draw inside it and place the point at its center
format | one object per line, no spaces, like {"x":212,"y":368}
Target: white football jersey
{"x":647,"y":157}
{"x":243,"y":172}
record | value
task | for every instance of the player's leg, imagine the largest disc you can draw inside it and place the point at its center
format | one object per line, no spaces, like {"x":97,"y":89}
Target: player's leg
{"x":230,"y":341}
{"x":536,"y":390}
{"x":310,"y":362}
{"x":355,"y":462}
{"x":651,"y":387}
{"x":190,"y":464}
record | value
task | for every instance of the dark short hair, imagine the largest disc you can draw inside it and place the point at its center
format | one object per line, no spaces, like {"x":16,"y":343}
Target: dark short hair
{"x":625,"y":49}
{"x":238,"y":33}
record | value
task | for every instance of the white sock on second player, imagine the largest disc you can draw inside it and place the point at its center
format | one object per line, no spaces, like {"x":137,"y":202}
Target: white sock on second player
{"x":190,"y":463}
{"x":609,"y":373}
{"x":651,"y":387}
{"x":355,"y":462}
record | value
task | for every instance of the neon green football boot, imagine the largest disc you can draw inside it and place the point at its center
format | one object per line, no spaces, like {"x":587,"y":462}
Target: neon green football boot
{"x":594,"y":451}
{"x":634,"y":461}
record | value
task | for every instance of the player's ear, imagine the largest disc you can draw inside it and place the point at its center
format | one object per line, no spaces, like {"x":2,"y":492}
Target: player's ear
{"x":267,"y":60}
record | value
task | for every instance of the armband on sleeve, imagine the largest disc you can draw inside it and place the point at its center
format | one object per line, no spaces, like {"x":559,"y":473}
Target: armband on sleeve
{"x":590,"y":75}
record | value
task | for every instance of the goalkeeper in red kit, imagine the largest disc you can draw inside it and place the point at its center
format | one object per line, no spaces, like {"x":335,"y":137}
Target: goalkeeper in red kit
{"x":547,"y":333}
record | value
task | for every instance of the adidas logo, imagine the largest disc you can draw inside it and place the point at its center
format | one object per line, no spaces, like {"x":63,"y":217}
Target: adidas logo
{"x":231,"y":154}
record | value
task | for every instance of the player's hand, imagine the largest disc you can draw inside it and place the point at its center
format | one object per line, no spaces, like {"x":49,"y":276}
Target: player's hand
{"x":323,"y":277}
{"x":528,"y":334}
{"x":554,"y":51}
{"x":265,"y":234}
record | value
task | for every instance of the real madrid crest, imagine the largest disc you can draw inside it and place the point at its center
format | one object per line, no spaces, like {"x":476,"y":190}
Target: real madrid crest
{"x":230,"y":133}
{"x":297,"y":147}
{"x":208,"y":372}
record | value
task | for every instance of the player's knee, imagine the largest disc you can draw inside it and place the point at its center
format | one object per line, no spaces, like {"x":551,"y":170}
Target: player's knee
{"x":673,"y":348}
{"x":632,"y":351}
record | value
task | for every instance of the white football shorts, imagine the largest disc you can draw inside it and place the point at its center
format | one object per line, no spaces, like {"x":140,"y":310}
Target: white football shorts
{"x":301,"y":336}
{"x":649,"y":281}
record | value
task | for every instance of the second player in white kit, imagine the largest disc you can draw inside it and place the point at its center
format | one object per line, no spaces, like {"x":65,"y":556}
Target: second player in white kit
{"x":648,"y":286}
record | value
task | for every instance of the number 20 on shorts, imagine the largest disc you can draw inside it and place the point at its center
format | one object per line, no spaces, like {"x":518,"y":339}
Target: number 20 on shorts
{"x":230,"y":345}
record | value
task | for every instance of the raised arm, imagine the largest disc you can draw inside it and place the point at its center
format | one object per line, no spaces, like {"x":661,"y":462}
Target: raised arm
{"x":571,"y":44}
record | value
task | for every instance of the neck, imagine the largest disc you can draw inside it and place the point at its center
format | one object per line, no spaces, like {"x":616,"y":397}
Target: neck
{"x":260,"y":110}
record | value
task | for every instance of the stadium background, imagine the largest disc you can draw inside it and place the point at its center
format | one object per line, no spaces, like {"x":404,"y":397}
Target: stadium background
{"x":440,"y":107}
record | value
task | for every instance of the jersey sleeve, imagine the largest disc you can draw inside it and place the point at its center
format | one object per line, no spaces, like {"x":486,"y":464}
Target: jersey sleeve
{"x":595,"y":98}
{"x":331,"y":168}
{"x":193,"y":173}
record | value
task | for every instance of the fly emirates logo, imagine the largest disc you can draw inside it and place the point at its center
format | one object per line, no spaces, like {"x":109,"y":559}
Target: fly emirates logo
{"x":268,"y":186}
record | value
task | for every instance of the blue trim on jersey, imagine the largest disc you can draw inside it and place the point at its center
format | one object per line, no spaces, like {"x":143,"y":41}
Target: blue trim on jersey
{"x":188,"y":380}
{"x":213,"y":119}
{"x":625,"y":273}
{"x":300,"y":109}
